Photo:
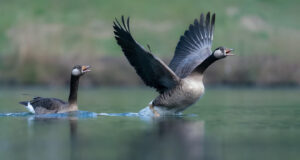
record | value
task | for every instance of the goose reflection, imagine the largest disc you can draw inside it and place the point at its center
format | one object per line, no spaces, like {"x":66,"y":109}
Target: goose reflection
{"x":171,"y":139}
{"x":52,"y":137}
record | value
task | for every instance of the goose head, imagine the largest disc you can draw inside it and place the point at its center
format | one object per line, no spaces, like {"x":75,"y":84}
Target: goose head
{"x":222,"y":52}
{"x":80,"y":70}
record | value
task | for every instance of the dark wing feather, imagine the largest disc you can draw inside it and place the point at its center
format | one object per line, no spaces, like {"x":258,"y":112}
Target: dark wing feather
{"x":194,"y":46}
{"x":152,"y":70}
{"x":47,"y":103}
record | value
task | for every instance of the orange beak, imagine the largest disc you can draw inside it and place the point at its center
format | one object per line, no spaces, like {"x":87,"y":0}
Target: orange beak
{"x":86,"y":68}
{"x":228,"y":50}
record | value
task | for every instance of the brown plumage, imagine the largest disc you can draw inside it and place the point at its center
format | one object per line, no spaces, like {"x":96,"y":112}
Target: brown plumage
{"x":179,"y":84}
{"x":40,"y":105}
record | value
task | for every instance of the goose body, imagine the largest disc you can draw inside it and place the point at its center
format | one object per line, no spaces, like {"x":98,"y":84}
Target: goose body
{"x":177,"y":99}
{"x":180,"y":84}
{"x":186,"y":93}
{"x":40,"y":105}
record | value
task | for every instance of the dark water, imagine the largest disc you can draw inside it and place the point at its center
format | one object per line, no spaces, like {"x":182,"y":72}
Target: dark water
{"x":226,"y":124}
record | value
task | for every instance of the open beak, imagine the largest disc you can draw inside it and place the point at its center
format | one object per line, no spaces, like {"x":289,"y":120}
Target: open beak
{"x":86,"y":68}
{"x":228,"y":50}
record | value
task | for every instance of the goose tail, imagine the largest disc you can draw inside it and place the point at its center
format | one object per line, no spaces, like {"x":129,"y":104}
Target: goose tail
{"x":28,"y":106}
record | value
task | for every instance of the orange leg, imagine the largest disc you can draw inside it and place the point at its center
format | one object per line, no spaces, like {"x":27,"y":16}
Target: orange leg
{"x":156,"y":114}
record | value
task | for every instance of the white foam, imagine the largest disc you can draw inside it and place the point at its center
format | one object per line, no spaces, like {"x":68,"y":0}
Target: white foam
{"x":161,"y":111}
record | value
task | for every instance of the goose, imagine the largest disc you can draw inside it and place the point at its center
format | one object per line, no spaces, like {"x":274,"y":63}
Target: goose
{"x":179,"y":84}
{"x":40,"y":105}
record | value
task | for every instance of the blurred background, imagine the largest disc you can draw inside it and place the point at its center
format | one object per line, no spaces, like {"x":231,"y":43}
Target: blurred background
{"x":252,"y":113}
{"x":41,"y":40}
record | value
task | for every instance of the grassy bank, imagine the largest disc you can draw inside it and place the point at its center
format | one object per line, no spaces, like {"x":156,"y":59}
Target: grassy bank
{"x":42,"y":40}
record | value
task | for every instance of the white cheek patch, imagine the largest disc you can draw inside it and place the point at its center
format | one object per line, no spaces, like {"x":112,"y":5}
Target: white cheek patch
{"x":218,"y":53}
{"x":75,"y":72}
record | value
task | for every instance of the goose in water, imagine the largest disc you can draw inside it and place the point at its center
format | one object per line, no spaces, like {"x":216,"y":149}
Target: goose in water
{"x":40,"y":105}
{"x":180,"y":84}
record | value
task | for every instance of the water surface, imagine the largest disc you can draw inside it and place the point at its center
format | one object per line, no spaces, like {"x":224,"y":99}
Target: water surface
{"x":229,"y":123}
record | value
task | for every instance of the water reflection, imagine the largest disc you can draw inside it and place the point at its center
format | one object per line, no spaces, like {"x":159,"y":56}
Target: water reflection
{"x":73,"y":140}
{"x":171,"y":139}
{"x":51,"y":136}
{"x":167,"y":138}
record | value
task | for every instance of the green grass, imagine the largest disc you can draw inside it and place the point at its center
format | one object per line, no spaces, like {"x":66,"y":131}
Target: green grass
{"x":78,"y":16}
{"x":41,"y":40}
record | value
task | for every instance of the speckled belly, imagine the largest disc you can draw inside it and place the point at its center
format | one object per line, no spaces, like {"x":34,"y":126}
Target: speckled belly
{"x":181,"y":98}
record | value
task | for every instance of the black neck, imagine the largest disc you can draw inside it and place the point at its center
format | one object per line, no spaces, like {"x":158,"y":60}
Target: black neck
{"x":207,"y":62}
{"x":73,"y":89}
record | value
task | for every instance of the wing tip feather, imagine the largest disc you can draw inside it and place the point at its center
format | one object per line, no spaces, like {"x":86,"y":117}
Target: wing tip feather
{"x":200,"y":32}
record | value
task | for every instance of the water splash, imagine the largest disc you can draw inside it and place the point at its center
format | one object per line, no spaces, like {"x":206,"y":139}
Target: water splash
{"x":77,"y":114}
{"x":129,"y":114}
{"x":144,"y":115}
{"x":19,"y":114}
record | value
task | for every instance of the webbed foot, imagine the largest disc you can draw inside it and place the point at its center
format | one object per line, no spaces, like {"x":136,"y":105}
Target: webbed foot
{"x":156,"y":114}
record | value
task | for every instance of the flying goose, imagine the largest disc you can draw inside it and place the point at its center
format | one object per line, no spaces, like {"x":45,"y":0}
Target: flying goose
{"x":40,"y":105}
{"x":180,"y":84}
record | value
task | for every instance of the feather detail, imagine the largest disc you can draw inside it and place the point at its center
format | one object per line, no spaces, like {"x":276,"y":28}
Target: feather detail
{"x":194,"y":46}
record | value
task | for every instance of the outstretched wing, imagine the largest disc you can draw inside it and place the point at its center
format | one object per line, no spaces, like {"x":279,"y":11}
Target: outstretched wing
{"x":194,"y":46}
{"x":153,"y":71}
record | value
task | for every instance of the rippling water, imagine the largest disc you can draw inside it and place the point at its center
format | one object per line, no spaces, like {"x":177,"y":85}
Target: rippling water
{"x":226,"y":124}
